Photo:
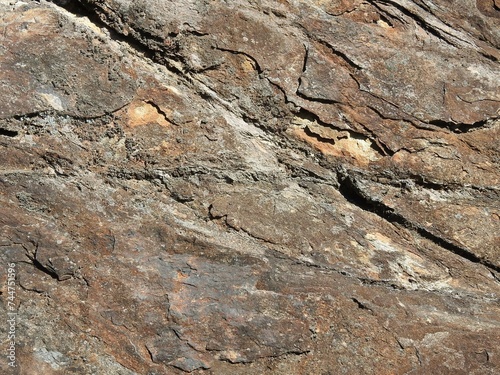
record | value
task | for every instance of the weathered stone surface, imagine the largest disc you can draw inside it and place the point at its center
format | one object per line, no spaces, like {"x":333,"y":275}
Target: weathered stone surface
{"x":263,"y":187}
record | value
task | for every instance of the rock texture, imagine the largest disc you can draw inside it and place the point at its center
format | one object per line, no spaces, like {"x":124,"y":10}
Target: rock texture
{"x":251,"y":187}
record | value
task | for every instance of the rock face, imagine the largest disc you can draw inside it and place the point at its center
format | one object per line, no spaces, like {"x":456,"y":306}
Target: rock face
{"x":250,"y":187}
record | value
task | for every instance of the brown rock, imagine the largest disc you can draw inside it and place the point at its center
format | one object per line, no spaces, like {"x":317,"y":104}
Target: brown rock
{"x":264,"y":187}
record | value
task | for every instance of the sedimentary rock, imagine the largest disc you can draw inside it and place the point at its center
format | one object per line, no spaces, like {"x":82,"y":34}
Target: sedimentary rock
{"x":250,"y":187}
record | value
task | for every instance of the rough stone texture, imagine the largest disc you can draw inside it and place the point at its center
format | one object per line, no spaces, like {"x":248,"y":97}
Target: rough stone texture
{"x":251,"y":187}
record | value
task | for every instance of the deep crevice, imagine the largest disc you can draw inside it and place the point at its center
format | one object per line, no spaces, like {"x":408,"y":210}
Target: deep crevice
{"x":352,"y":193}
{"x":151,"y":356}
{"x":382,"y":283}
{"x":384,"y":16}
{"x":71,"y":6}
{"x":460,"y":127}
{"x":377,"y":144}
{"x":41,"y":267}
{"x":313,"y":117}
{"x":36,"y":263}
{"x":495,"y":276}
{"x":8,"y":133}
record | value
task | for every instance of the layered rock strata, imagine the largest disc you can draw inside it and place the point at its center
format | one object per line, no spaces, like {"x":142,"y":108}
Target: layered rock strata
{"x":251,"y":187}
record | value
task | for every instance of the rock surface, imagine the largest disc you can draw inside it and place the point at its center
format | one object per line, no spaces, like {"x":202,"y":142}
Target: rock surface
{"x":251,"y":187}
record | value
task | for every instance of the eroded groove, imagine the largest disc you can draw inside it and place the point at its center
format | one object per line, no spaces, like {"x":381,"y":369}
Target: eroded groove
{"x":318,"y":137}
{"x":354,"y":194}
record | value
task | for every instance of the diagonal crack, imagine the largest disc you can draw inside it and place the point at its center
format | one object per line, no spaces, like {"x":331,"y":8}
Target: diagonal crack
{"x":350,"y":189}
{"x":32,"y":257}
{"x":153,"y":47}
{"x":429,"y":23}
{"x":342,"y":55}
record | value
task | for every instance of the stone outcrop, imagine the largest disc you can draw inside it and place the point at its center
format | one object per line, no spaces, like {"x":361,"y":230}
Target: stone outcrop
{"x":251,"y":187}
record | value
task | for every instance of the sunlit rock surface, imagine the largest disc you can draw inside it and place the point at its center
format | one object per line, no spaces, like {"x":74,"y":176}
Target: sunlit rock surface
{"x":251,"y":187}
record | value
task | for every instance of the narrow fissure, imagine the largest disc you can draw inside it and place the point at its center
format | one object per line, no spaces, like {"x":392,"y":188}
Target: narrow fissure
{"x":301,"y":94}
{"x":342,"y":55}
{"x":160,"y":111}
{"x":352,"y":193}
